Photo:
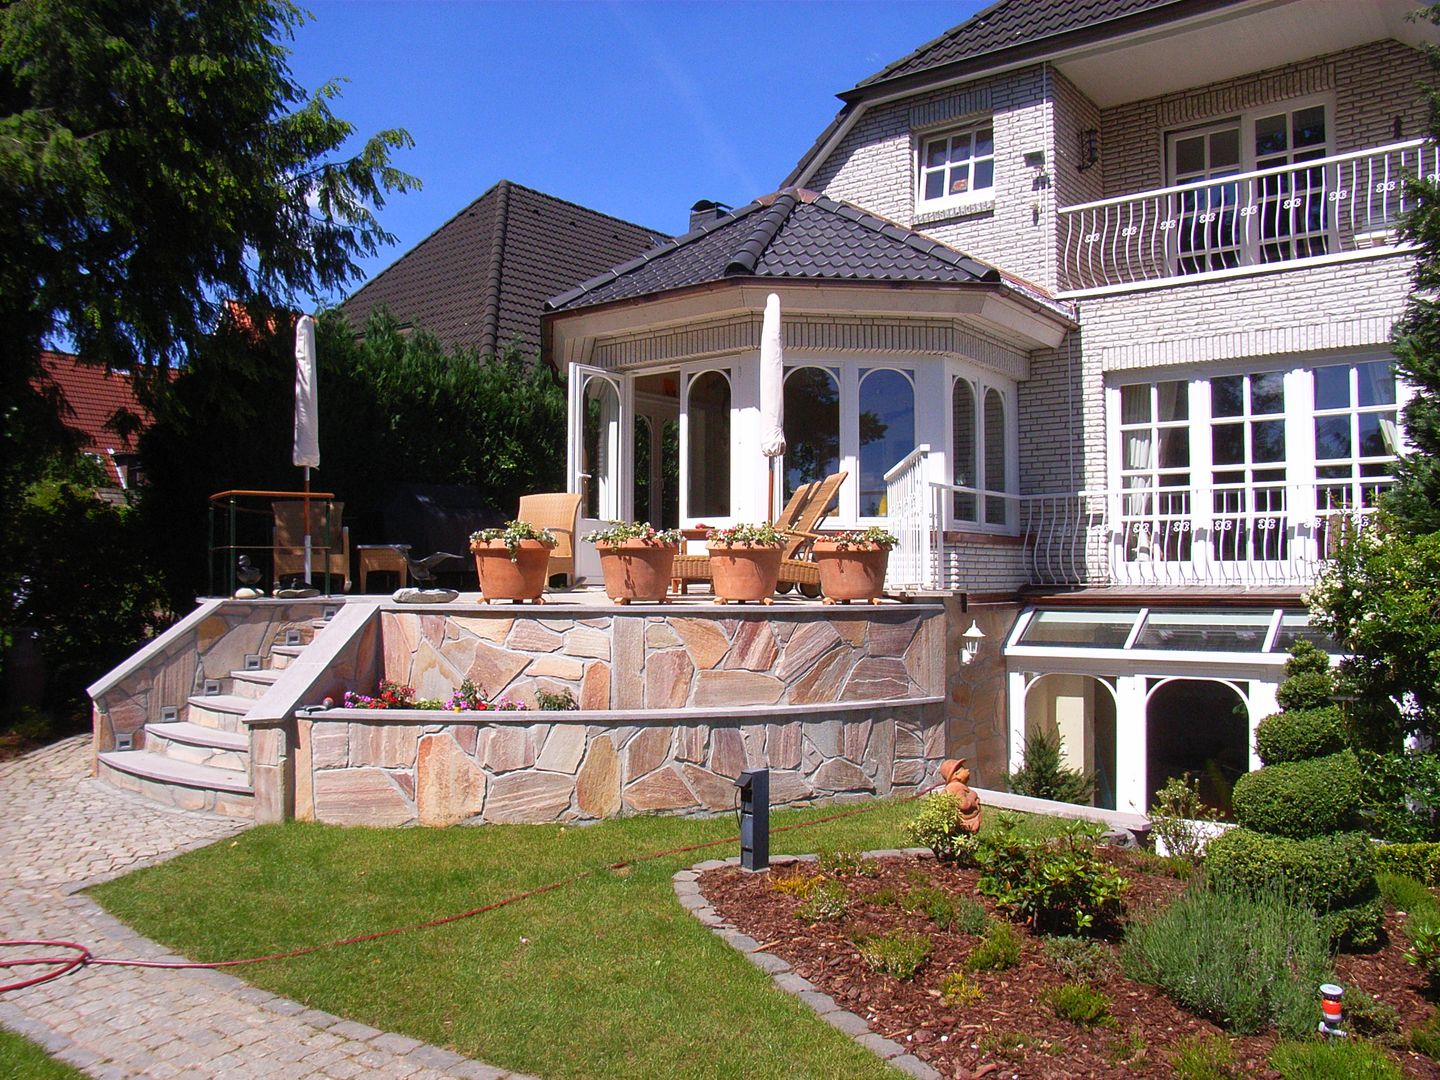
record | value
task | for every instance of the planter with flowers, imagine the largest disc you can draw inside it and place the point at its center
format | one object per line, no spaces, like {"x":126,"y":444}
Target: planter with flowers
{"x":513,"y":561}
{"x":636,"y":560}
{"x":745,"y":562}
{"x":852,"y":564}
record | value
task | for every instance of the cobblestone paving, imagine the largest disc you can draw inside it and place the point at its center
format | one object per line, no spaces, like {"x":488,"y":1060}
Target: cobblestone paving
{"x":60,"y":829}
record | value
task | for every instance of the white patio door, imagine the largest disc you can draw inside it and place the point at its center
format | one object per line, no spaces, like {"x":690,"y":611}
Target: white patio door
{"x":598,"y":462}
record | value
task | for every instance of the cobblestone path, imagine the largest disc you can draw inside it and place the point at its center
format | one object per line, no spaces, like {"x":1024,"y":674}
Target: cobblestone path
{"x":60,"y":829}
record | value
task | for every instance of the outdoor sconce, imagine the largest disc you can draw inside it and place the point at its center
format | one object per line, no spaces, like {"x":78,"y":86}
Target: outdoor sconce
{"x":754,"y":785}
{"x":1089,"y":149}
{"x":972,"y":639}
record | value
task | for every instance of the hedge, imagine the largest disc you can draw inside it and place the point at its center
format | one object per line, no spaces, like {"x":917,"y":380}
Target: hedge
{"x":1332,"y":875}
{"x":1419,"y":861}
{"x":1300,"y":734}
{"x":1301,"y":798}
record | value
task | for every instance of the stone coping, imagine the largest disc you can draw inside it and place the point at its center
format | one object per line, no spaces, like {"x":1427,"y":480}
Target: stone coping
{"x":687,"y":890}
{"x":622,"y":717}
{"x":552,"y":609}
{"x":175,"y":637}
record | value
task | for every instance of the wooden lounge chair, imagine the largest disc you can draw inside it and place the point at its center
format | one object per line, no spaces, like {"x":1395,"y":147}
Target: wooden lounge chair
{"x":329,"y":541}
{"x":799,"y":519}
{"x":558,"y":512}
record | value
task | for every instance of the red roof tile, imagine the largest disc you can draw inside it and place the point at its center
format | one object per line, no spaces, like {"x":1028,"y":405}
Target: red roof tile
{"x":92,"y":396}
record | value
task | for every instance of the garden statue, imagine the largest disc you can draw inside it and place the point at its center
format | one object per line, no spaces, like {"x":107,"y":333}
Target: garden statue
{"x":956,"y":778}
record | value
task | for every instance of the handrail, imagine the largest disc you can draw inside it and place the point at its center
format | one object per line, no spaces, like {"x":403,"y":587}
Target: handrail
{"x":1232,"y":178}
{"x":906,"y":462}
{"x":239,"y":493}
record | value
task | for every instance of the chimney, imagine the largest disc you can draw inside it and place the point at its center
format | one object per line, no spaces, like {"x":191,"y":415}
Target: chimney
{"x":705,"y":211}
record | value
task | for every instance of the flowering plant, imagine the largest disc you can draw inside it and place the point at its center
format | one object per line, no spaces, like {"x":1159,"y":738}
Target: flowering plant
{"x":391,"y":695}
{"x":761,"y":535}
{"x":874,"y":535}
{"x":621,"y":531}
{"x":512,"y":533}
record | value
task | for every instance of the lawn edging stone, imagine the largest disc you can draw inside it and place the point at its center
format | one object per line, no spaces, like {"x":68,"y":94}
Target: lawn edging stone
{"x":691,"y":897}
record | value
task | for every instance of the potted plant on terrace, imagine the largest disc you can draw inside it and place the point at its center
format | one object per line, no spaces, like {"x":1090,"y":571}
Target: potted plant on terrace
{"x":852,"y":564}
{"x":745,"y":562}
{"x":512,"y":561}
{"x":636,"y":559}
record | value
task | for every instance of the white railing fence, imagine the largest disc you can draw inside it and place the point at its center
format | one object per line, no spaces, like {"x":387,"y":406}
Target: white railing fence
{"x":1333,"y":206}
{"x":910,"y":518}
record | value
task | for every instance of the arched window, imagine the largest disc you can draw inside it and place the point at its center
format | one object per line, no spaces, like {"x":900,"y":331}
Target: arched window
{"x":602,"y":449}
{"x":812,"y":426}
{"x":644,"y":493}
{"x":707,"y":490}
{"x":995,"y":509}
{"x":964,"y":446}
{"x":887,"y":433}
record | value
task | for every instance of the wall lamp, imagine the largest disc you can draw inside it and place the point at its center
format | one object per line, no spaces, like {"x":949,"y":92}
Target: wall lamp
{"x":1089,"y":149}
{"x":972,"y":639}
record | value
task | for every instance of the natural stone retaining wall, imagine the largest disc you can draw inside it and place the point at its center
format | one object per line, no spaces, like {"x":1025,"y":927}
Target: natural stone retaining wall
{"x":396,"y":768}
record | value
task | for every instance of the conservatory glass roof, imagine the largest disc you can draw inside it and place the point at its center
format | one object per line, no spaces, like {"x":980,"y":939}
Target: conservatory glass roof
{"x":1263,"y":631}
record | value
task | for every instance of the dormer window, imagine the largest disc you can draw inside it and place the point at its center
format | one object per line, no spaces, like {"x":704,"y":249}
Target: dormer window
{"x":956,"y":168}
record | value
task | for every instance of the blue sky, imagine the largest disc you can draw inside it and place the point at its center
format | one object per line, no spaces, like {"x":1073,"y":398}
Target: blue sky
{"x":635,"y":109}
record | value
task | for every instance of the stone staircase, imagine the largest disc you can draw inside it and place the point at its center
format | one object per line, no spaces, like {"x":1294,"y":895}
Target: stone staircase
{"x":197,"y":757}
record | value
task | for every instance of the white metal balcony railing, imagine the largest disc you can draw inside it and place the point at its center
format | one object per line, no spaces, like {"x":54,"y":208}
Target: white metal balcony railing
{"x":1327,"y":208}
{"x":1261,"y":535}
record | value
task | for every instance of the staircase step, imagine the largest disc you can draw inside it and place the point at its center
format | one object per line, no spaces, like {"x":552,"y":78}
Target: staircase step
{"x":197,"y":745}
{"x":196,"y":735}
{"x":221,"y":711}
{"x":178,"y":783}
{"x":252,"y":684}
{"x":282,"y":656}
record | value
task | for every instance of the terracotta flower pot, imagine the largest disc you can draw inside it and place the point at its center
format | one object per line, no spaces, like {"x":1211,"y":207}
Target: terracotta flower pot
{"x":855,"y":572}
{"x":745,"y":572}
{"x":636,"y":570}
{"x":503,"y":579}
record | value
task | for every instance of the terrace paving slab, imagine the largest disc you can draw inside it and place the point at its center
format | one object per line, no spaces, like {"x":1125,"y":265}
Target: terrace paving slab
{"x":61,"y":830}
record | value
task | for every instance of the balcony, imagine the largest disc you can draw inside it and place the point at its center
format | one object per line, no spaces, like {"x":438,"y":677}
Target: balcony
{"x":1270,"y":536}
{"x":1324,"y":210}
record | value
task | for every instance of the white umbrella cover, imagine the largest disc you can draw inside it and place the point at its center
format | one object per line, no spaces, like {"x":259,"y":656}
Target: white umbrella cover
{"x":307,"y":396}
{"x":772,"y":381}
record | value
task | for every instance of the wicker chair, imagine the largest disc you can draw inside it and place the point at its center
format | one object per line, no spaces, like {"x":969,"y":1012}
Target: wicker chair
{"x":329,"y":540}
{"x":799,"y":519}
{"x":558,"y":512}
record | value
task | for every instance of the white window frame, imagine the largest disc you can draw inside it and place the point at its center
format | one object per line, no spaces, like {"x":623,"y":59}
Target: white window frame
{"x":982,"y":382}
{"x":973,"y":195}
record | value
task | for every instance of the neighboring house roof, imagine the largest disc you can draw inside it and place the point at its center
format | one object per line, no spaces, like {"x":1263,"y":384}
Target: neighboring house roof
{"x":791,"y":235}
{"x":478,"y":281}
{"x":92,"y":396}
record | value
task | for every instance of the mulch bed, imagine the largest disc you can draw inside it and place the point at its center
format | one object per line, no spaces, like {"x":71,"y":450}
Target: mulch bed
{"x":1012,"y":1032}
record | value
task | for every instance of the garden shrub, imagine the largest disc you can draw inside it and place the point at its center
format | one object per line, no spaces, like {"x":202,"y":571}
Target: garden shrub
{"x":971,"y":918}
{"x":842,"y":863}
{"x":1369,"y":1017}
{"x":1424,"y":1037}
{"x":997,"y":951}
{"x":936,"y":904}
{"x":1352,"y":1059}
{"x":896,"y":953}
{"x":1401,"y":798}
{"x":1301,"y":798}
{"x":1333,"y":875}
{"x":959,"y":991}
{"x":1305,"y":691}
{"x":1043,"y":773}
{"x":1080,"y":1004}
{"x":1245,"y":961}
{"x":1174,"y":816}
{"x":1078,"y":959}
{"x":886,"y":896}
{"x":1058,"y":887}
{"x":1407,"y":894}
{"x":830,"y":900}
{"x":1424,"y":951}
{"x":1300,"y":734}
{"x":800,"y":884}
{"x":937,"y":825}
{"x":1207,"y":1058}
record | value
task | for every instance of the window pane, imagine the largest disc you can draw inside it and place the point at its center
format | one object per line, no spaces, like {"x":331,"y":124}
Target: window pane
{"x":1227,"y":395}
{"x":1225,"y":149}
{"x":1377,"y":383}
{"x":1268,"y":440}
{"x":984,"y":143}
{"x":960,"y":148}
{"x":1332,"y":387}
{"x":1309,"y":126}
{"x":1294,"y":627}
{"x":1372,"y":435}
{"x":1270,"y":135}
{"x":1267,"y":393}
{"x":1332,"y":437}
{"x":1173,"y":399}
{"x":812,"y":423}
{"x":1102,"y":629}
{"x":1205,"y":631}
{"x":935,"y":184}
{"x":963,"y":451}
{"x":708,"y":458}
{"x":984,"y":175}
{"x":959,"y":179}
{"x":1190,"y":155}
{"x":1174,"y":448}
{"x":1134,"y":404}
{"x":1227,"y":444}
{"x":887,"y":433}
{"x":935,"y":152}
{"x":602,"y":447}
{"x":995,"y":509}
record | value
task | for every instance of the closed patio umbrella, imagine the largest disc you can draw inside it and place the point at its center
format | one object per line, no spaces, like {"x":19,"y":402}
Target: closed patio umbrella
{"x":306,"y":451}
{"x":772,"y":393}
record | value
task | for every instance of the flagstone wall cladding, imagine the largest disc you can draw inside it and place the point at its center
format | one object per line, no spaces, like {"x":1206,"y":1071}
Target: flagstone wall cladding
{"x":212,"y":649}
{"x":872,"y":676}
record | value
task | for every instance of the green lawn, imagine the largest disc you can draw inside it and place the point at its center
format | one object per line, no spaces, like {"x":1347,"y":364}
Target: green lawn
{"x":19,"y":1057}
{"x":609,"y":977}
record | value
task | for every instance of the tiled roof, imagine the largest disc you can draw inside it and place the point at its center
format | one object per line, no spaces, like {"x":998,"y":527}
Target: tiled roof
{"x":91,"y":396}
{"x":478,"y":281}
{"x":793,"y":234}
